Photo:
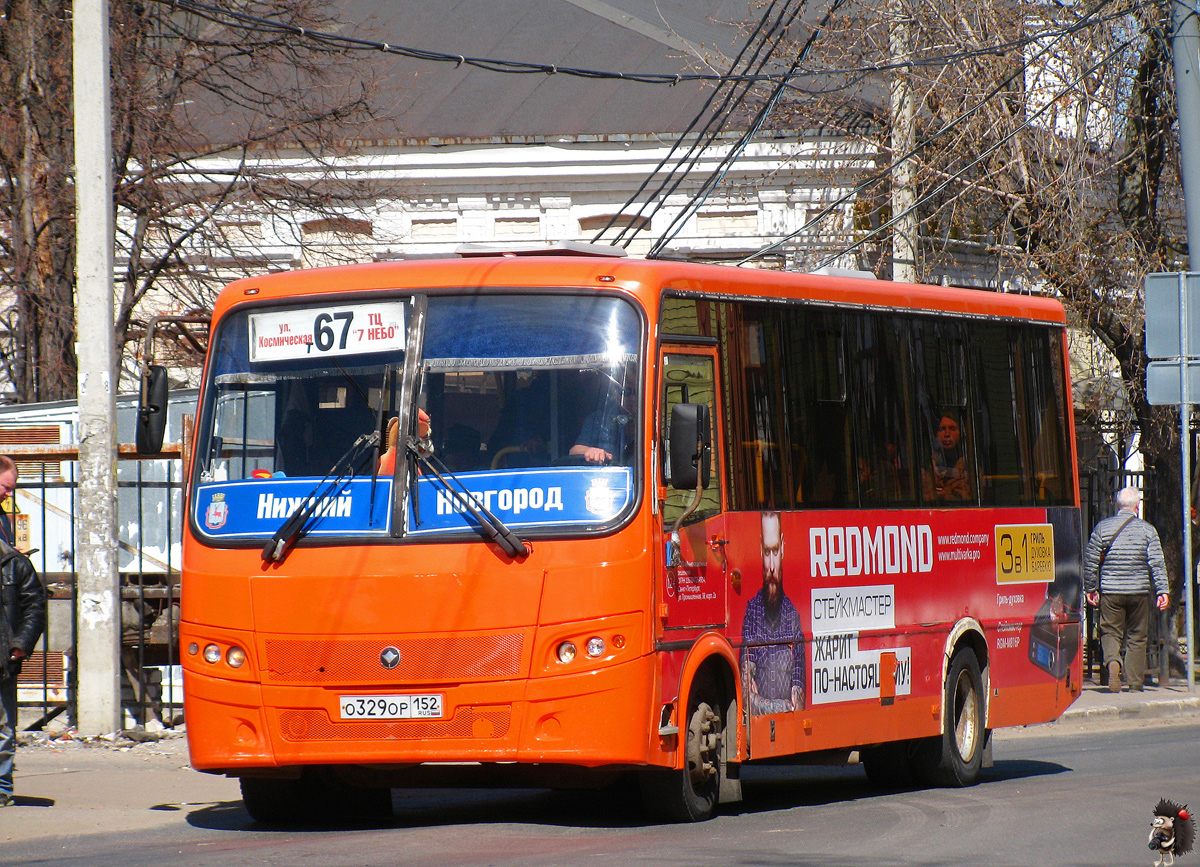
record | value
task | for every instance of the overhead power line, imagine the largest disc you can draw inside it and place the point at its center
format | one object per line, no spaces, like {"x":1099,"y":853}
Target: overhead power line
{"x":987,"y":152}
{"x":1047,"y":46}
{"x":764,"y":37}
{"x":715,"y":177}
{"x":259,"y":24}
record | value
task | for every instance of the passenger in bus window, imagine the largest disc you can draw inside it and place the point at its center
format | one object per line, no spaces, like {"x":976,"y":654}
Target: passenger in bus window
{"x":946,"y":476}
{"x":294,"y":443}
{"x":608,"y":433}
{"x":387,"y":461}
{"x":773,"y":641}
{"x":879,"y":481}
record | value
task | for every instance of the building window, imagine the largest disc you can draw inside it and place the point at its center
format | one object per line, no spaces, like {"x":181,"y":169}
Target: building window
{"x":434,"y":230}
{"x":335,"y":241}
{"x":727,"y":223}
{"x":509,"y":227}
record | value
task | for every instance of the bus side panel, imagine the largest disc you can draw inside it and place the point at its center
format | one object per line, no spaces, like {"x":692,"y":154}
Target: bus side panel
{"x":877,"y":595}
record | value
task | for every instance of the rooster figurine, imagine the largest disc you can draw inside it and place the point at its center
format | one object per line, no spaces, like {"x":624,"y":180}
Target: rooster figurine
{"x":1173,"y":832}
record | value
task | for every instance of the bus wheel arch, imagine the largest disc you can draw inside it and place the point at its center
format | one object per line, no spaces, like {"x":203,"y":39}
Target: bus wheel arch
{"x":706,"y":772}
{"x":955,"y":757}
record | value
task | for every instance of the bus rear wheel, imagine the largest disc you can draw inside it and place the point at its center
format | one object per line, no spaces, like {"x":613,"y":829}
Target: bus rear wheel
{"x":955,"y":758}
{"x":691,"y":794}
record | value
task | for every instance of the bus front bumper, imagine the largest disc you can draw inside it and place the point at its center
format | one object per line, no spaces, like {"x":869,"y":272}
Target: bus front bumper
{"x":592,"y":719}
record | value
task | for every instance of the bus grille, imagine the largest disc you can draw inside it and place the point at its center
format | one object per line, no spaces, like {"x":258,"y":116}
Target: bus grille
{"x":451,"y":658}
{"x":468,"y":722}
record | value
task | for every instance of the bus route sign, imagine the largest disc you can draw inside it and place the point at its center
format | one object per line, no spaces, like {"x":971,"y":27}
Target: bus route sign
{"x":312,"y":332}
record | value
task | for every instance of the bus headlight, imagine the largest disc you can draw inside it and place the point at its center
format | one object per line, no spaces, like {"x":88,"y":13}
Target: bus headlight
{"x":596,"y":647}
{"x":566,"y":652}
{"x":212,"y":654}
{"x":236,"y":657}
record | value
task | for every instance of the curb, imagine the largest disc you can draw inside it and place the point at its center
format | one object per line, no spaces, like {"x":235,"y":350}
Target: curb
{"x":1149,"y":710}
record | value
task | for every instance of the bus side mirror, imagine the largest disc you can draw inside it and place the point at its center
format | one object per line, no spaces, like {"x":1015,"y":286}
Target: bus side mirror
{"x":152,"y":410}
{"x":691,"y":446}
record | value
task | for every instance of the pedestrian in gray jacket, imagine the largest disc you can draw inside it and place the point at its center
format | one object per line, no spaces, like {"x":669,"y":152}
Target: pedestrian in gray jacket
{"x":1122,"y":563}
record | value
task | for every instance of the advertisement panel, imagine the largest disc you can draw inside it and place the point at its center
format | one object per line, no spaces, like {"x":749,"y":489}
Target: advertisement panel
{"x":834,"y":607}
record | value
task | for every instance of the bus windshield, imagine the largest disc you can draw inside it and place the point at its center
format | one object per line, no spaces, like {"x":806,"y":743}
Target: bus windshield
{"x":532,"y":404}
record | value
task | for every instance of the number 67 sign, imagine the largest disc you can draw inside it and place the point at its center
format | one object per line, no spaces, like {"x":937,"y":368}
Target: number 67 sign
{"x":311,"y":332}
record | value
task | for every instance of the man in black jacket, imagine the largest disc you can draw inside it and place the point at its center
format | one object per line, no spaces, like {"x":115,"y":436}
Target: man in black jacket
{"x":22,"y":619}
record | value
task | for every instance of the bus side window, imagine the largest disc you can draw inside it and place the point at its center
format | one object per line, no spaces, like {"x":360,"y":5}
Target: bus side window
{"x":688,"y":379}
{"x":757,"y":441}
{"x":1045,"y":408}
{"x":945,"y":442}
{"x":882,"y":420}
{"x":814,"y":374}
{"x":997,"y":436}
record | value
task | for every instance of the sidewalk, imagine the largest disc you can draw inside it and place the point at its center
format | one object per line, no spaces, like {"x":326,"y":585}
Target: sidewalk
{"x":1096,"y":703}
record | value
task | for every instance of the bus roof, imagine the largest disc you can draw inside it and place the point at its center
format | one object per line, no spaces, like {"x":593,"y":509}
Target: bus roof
{"x":646,"y":278}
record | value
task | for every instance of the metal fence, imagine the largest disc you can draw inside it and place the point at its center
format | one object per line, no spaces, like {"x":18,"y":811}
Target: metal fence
{"x":150,"y":498}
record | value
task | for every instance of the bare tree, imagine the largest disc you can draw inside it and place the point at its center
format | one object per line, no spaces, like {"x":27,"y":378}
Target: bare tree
{"x":202,"y":112}
{"x":1045,"y":157}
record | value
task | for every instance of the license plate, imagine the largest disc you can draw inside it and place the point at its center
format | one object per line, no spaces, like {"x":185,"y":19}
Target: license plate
{"x":390,"y":706}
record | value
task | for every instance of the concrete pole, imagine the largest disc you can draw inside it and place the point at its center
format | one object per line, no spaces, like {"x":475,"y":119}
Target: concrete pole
{"x":1185,"y":50}
{"x":97,"y":587}
{"x":903,"y":139}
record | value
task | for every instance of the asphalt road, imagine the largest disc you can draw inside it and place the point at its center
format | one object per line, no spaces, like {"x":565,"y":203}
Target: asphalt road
{"x":1061,"y":795}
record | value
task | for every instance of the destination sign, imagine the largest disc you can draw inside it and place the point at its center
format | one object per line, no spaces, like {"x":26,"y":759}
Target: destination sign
{"x":313,"y":332}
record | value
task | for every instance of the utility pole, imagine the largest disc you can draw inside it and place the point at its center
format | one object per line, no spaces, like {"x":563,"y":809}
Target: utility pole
{"x":1185,"y":51}
{"x":97,"y":583}
{"x":903,"y":139}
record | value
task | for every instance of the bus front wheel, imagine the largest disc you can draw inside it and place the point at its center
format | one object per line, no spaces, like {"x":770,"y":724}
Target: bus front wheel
{"x":691,"y":794}
{"x":954,"y":759}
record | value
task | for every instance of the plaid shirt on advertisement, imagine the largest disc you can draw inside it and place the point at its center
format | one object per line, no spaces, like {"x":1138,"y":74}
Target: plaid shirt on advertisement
{"x":778,"y":666}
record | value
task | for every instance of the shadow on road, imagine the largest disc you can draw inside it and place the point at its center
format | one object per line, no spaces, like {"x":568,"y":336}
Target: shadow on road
{"x":766,"y":788}
{"x":26,"y":801}
{"x":1022,"y":769}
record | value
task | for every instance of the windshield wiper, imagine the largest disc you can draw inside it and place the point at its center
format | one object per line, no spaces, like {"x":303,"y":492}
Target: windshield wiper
{"x":380,"y":432}
{"x":492,"y":526}
{"x":293,"y":528}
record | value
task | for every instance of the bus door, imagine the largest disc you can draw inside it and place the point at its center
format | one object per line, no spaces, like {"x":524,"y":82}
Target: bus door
{"x":693,"y":585}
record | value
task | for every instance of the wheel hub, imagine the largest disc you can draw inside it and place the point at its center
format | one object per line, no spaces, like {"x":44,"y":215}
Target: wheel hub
{"x":966,"y":734}
{"x":703,"y":744}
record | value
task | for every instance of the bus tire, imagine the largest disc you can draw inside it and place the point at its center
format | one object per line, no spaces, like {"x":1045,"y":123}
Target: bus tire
{"x":691,"y":794}
{"x":890,"y":766}
{"x":954,"y":759}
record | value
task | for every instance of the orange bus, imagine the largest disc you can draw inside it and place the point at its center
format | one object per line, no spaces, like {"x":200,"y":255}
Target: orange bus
{"x":561,"y":520}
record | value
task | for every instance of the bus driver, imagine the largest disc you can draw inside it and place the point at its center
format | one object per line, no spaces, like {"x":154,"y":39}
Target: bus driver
{"x":608,"y":433}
